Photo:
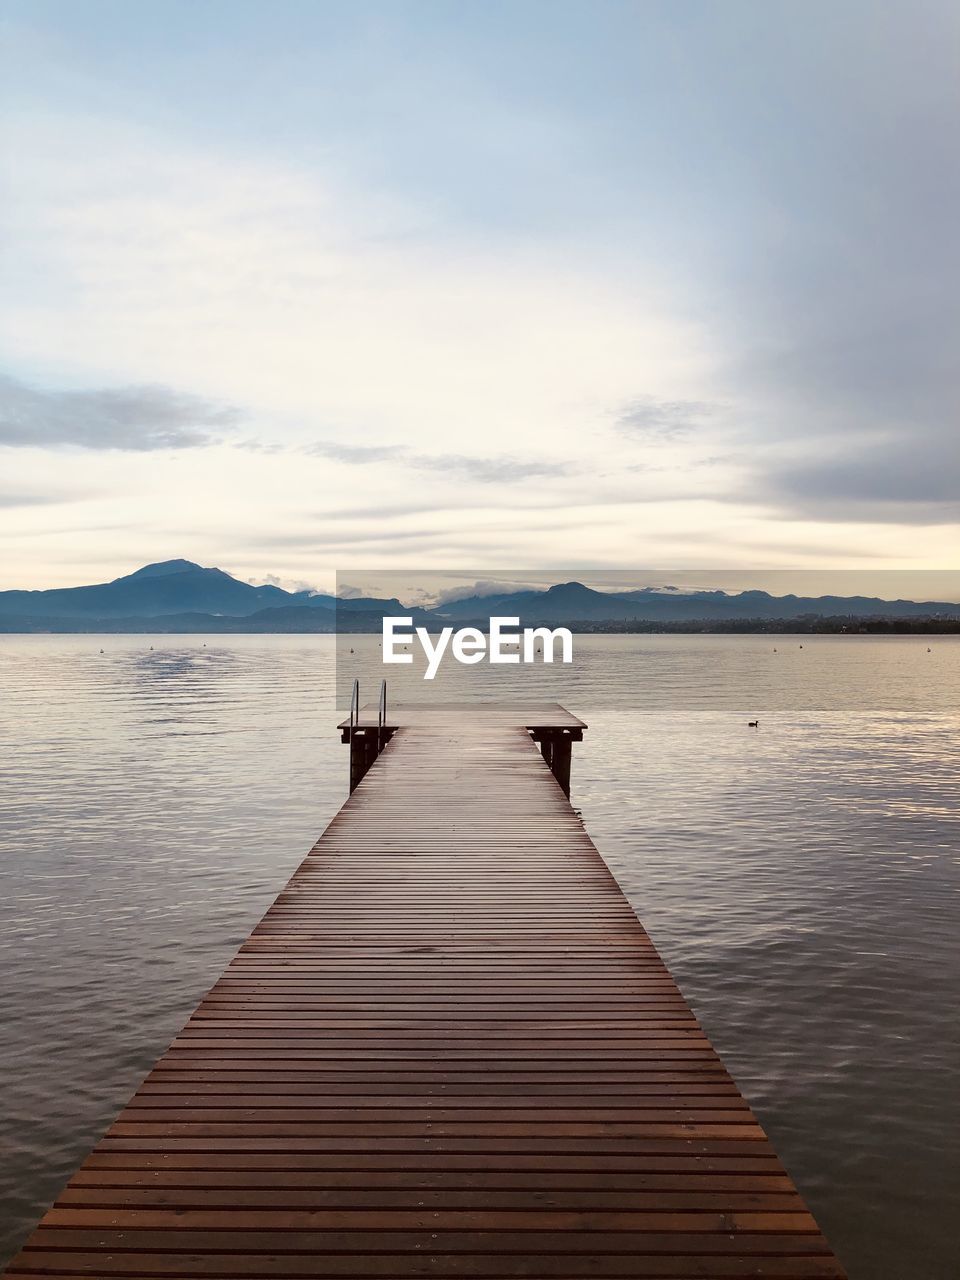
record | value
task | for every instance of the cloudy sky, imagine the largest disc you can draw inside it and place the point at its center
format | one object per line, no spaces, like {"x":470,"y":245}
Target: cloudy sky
{"x":296,"y":287}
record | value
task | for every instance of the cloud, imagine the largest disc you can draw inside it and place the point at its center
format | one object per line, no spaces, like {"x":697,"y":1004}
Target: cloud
{"x":135,"y":418}
{"x":482,"y":587}
{"x":286,"y":584}
{"x":385,"y":291}
{"x":387,"y":511}
{"x":308,"y":292}
{"x":655,"y":419}
{"x":259,"y":446}
{"x":12,"y":498}
{"x":503,"y":469}
{"x":897,"y":481}
{"x":500,"y":470}
{"x":355,"y":455}
{"x":331,"y":536}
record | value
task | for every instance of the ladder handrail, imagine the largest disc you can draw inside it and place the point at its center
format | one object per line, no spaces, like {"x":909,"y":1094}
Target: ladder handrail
{"x":354,"y":709}
{"x":381,"y":714}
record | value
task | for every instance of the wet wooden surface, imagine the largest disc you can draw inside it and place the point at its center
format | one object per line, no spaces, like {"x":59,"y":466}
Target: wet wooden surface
{"x":448,"y":1049}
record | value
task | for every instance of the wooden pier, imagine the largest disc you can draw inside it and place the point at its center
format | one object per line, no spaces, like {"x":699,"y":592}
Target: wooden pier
{"x":449,"y":1049}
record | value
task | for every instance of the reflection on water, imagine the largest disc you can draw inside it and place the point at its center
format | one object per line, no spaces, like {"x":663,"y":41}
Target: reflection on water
{"x":801,"y":878}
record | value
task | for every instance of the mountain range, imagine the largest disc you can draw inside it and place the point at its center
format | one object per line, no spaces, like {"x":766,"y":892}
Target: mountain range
{"x":178,"y":595}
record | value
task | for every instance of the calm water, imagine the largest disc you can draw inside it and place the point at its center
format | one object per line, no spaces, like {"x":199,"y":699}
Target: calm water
{"x":801,"y":879}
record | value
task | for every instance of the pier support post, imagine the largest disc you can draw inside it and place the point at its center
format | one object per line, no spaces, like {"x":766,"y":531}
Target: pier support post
{"x":556,"y":747}
{"x":365,"y":745}
{"x":359,"y":756}
{"x":561,"y":756}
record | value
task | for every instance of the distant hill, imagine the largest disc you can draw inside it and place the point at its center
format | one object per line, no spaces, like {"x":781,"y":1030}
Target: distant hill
{"x":572,"y":602}
{"x":170,"y":587}
{"x":564,"y":602}
{"x":178,"y":595}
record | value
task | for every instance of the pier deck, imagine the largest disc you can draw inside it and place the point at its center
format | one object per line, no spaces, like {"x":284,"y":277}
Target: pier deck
{"x":446,"y":715}
{"x":449,"y":1049}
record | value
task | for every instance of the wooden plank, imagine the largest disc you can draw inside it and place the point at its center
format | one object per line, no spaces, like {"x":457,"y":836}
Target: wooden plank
{"x":448,"y":1049}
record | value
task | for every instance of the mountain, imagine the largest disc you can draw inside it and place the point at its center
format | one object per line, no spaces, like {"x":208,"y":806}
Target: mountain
{"x":367,"y":604}
{"x":564,"y":602}
{"x":179,"y":595}
{"x":169,"y":587}
{"x":573,"y":602}
{"x":719,"y":605}
{"x":162,"y":569}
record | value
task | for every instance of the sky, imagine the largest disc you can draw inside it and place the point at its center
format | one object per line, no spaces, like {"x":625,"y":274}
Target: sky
{"x":296,"y":288}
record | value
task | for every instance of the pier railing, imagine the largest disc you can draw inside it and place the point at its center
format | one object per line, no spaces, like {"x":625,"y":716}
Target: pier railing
{"x":381,"y":715}
{"x":365,"y":743}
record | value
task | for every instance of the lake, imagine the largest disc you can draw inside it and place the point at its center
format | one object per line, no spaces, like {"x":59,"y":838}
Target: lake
{"x":801,"y":878}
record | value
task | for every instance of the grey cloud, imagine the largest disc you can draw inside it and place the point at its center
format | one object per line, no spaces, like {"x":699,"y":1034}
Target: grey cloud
{"x":899,"y":482}
{"x":503,"y":469}
{"x":828,"y":262}
{"x":844,"y":310}
{"x":259,"y":446}
{"x":10,"y":499}
{"x":452,"y":544}
{"x":654,"y":419}
{"x":401,"y":541}
{"x":324,"y":537}
{"x":137,"y":418}
{"x":354,"y":454}
{"x":394,"y":511}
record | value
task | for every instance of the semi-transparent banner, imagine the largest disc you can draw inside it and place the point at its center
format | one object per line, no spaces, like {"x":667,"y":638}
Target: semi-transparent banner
{"x":750,"y":641}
